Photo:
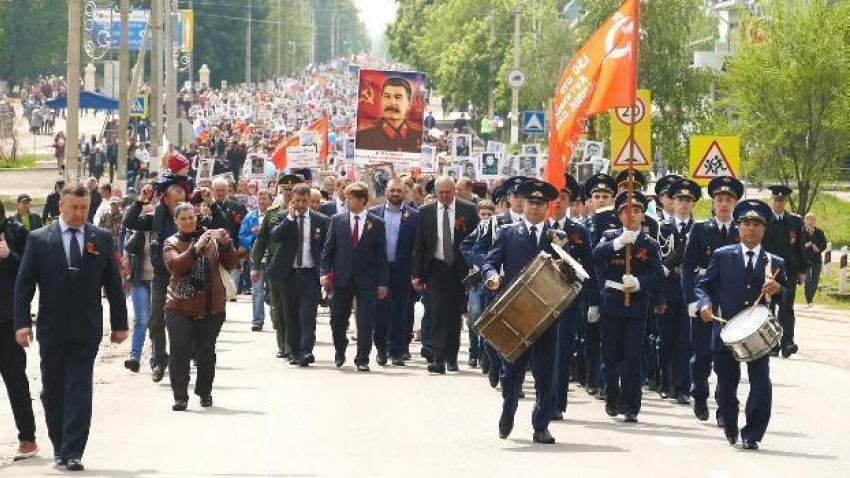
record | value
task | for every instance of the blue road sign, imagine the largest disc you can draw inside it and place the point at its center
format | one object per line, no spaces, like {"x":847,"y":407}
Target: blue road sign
{"x":108,"y":22}
{"x":533,"y":122}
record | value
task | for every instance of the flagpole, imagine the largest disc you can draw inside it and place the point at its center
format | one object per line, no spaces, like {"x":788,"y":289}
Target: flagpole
{"x":627,"y":296}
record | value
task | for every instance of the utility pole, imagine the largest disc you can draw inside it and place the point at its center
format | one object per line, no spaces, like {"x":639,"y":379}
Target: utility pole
{"x":491,"y":106}
{"x":156,"y":82}
{"x":515,"y":91}
{"x":72,"y":126}
{"x":248,"y":44}
{"x":171,"y":51}
{"x":123,"y":87}
{"x":279,"y":72}
{"x":192,"y":54}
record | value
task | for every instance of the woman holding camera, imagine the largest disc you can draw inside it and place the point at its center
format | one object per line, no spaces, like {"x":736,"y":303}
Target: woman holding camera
{"x":195,"y":303}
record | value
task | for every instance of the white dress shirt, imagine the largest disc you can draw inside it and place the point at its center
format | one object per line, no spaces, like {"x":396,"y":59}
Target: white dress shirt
{"x":307,"y":258}
{"x":756,"y":250}
{"x":362,"y":216}
{"x":66,"y":239}
{"x":438,"y":253}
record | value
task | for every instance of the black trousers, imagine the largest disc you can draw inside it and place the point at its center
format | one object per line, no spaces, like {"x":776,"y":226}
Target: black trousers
{"x":156,"y":324}
{"x":66,"y":378}
{"x":13,"y":370}
{"x":188,"y":335}
{"x":341,"y":304}
{"x":301,"y":293}
{"x":446,"y":300}
{"x":785,"y":315}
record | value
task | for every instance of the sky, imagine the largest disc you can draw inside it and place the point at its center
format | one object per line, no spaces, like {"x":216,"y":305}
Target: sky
{"x":376,"y":14}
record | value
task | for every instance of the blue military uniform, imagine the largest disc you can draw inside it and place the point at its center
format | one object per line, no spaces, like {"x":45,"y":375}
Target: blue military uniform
{"x":662,"y":186}
{"x":705,"y":238}
{"x":517,"y":245}
{"x":674,"y":344}
{"x":622,"y":327}
{"x":729,"y":286}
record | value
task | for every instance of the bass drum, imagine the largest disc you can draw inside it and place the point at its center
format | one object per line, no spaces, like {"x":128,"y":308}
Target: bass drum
{"x":751,"y":334}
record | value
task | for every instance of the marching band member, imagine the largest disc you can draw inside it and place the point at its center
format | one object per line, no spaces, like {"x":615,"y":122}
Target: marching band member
{"x":622,"y":326}
{"x":662,"y":186}
{"x":705,"y":238}
{"x":651,"y":226}
{"x":674,"y":343}
{"x":738,"y":277}
{"x":517,"y":245}
{"x":575,"y":240}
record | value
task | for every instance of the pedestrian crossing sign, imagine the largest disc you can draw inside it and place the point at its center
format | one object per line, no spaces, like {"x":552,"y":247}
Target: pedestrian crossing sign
{"x":139,"y":107}
{"x":533,"y":122}
{"x":639,"y":160}
{"x":714,"y":156}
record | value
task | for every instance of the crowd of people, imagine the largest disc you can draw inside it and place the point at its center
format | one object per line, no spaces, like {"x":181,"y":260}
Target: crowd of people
{"x":409,"y":265}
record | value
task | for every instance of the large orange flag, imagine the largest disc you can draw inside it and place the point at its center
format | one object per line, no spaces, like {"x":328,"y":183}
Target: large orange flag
{"x":602,"y":76}
{"x":320,"y":126}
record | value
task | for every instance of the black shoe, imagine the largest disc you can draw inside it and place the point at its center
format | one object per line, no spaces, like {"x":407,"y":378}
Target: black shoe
{"x":774,"y":352}
{"x":363,"y":368}
{"x":485,"y":365}
{"x":294,"y":361}
{"x":748,"y":444}
{"x":339,"y":360}
{"x":521,"y":394}
{"x":406,"y":356}
{"x":701,"y":409}
{"x":787,"y":351}
{"x":493,"y":375}
{"x":682,"y":399}
{"x":439,"y":368}
{"x":307,"y":360}
{"x":257,"y":327}
{"x":452,"y":367}
{"x":59,"y":461}
{"x":559,"y":415}
{"x":611,"y":410}
{"x":663,"y":393}
{"x":74,"y":464}
{"x":731,"y":434}
{"x":591,"y":391}
{"x":630,"y":418}
{"x":652,"y":386}
{"x":398,"y":362}
{"x":427,"y":354}
{"x":472,"y":363}
{"x":287,"y":355}
{"x":721,"y":422}
{"x":543,"y":436}
{"x":382,"y":358}
{"x":206,"y":401}
{"x":505,"y":427}
{"x":279,"y":354}
{"x":158,"y":373}
{"x":132,"y":365}
{"x":179,"y":405}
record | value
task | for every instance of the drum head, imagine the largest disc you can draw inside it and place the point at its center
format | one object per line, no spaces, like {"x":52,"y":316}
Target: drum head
{"x":576,"y":265}
{"x":745,"y":324}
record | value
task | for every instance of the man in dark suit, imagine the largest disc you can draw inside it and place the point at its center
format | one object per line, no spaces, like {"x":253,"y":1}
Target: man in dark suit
{"x":301,"y":235}
{"x":439,"y":265}
{"x":51,"y":206}
{"x":71,"y":262}
{"x":391,"y":315}
{"x":784,"y":237}
{"x":354,"y":262}
{"x":736,"y":278}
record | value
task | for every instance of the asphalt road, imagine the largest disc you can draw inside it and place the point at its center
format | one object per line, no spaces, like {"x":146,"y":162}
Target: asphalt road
{"x":273,"y":419}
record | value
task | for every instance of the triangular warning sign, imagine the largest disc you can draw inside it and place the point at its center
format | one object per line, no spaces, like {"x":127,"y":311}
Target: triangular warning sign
{"x":534,"y":123}
{"x":622,"y":159}
{"x":713,"y":164}
{"x":138,"y":106}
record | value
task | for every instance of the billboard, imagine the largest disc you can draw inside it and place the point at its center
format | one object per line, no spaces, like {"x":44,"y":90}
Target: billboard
{"x":106,"y":24}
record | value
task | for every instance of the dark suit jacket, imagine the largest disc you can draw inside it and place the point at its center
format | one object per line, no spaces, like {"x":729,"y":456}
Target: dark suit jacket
{"x":286,"y":233}
{"x":35,"y":220}
{"x":406,"y":237}
{"x":51,"y":208}
{"x":785,"y":239}
{"x":725,"y":285}
{"x":645,"y":266}
{"x":366,"y":265}
{"x":69,"y":309}
{"x":705,"y":238}
{"x":328,"y":208}
{"x":466,"y":220}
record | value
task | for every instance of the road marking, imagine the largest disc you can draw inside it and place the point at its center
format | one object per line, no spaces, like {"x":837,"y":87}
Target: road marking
{"x":669,"y":441}
{"x":719,"y":474}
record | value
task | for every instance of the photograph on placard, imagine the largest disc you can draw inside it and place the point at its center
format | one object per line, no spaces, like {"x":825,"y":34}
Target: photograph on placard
{"x":489,"y":165}
{"x":379,"y":176}
{"x":542,"y":159}
{"x":349,"y":149}
{"x":258,"y":165}
{"x":205,"y":168}
{"x":461,"y":147}
{"x":510,"y":164}
{"x":528,"y":149}
{"x":452,"y":172}
{"x":428,"y":161}
{"x":527,"y":166}
{"x":469,"y":168}
{"x":592,"y":149}
{"x":496,"y":147}
{"x":309,"y":138}
{"x":390,"y":110}
{"x":583,"y":171}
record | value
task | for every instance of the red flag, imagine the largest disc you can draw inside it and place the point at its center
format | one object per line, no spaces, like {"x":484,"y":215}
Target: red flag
{"x":601,"y":76}
{"x":320,"y":126}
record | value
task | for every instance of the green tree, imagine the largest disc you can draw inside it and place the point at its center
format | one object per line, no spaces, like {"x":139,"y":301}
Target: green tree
{"x":790,"y":93}
{"x":34,"y":39}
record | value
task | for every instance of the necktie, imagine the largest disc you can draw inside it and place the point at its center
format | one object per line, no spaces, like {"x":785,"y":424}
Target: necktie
{"x":355,"y":233}
{"x":724,"y":233}
{"x":448,"y":248}
{"x":750,"y":264}
{"x":299,"y":252}
{"x":533,"y":231}
{"x":76,"y":260}
{"x":682,"y":226}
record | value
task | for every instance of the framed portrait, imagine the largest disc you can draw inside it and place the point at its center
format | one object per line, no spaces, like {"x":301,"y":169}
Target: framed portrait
{"x":592,"y":149}
{"x":529,"y":149}
{"x":452,"y":172}
{"x":428,"y":162}
{"x":469,"y":169}
{"x":527,"y":165}
{"x":205,"y":168}
{"x":489,"y":166}
{"x":461,"y":147}
{"x":378,"y":175}
{"x":509,"y":165}
{"x":258,"y":165}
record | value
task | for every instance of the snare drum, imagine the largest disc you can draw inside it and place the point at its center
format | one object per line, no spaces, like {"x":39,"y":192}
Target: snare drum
{"x":751,"y":334}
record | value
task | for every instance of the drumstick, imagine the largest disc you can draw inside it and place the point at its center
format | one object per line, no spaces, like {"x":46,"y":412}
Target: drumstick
{"x":761,"y":296}
{"x":714,"y":317}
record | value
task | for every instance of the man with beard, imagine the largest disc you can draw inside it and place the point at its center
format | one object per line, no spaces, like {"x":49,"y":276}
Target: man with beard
{"x":392,"y":132}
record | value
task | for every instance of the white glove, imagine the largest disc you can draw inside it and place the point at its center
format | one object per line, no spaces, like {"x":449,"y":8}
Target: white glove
{"x":593,"y":315}
{"x":692,"y":309}
{"x":631,"y":283}
{"x":666,"y":271}
{"x":627,"y":237}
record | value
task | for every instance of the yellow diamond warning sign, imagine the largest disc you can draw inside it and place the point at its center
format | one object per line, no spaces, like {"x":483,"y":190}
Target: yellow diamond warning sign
{"x":621,"y":121}
{"x":714,"y":156}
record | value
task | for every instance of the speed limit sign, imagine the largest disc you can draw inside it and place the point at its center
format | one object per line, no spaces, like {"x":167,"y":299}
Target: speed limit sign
{"x":625,"y":114}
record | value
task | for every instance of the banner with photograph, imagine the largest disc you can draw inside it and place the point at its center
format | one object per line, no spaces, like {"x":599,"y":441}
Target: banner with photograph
{"x":428,"y":161}
{"x":461,"y":147}
{"x":489,"y":165}
{"x":469,"y":169}
{"x":390,"y":110}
